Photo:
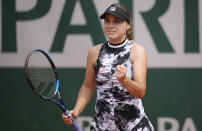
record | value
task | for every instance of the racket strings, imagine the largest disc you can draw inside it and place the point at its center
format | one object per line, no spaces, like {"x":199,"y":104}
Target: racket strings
{"x":41,"y":75}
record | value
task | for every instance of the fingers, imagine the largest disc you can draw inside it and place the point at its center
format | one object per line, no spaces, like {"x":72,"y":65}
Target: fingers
{"x":121,"y":67}
{"x":68,"y":119}
{"x":120,"y":71}
{"x":119,"y":75}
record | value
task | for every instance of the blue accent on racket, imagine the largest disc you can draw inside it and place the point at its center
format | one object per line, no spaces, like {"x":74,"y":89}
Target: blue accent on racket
{"x":57,"y":87}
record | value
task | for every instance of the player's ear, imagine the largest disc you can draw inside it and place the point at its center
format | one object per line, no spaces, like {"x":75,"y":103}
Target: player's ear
{"x":128,"y":26}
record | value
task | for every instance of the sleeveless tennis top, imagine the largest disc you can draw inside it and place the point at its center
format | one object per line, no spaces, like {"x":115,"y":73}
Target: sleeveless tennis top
{"x":115,"y":109}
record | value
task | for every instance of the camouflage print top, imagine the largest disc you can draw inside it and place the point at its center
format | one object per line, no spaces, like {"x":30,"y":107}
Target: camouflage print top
{"x":115,"y":108}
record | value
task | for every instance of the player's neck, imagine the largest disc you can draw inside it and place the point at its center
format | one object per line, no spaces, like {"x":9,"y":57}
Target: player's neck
{"x":117,"y":44}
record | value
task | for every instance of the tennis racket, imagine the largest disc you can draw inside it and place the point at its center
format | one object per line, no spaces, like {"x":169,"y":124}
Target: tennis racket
{"x":42,"y":76}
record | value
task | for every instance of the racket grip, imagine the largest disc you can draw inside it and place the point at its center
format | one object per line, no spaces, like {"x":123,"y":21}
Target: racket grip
{"x":75,"y":125}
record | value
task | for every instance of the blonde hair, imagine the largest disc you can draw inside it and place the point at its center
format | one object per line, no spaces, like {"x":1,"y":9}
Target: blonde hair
{"x":129,"y":32}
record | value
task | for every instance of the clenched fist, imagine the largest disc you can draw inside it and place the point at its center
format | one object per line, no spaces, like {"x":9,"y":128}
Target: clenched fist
{"x":121,"y":73}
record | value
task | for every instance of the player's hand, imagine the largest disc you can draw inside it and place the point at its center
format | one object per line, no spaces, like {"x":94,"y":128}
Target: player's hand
{"x":121,"y":73}
{"x":68,"y":119}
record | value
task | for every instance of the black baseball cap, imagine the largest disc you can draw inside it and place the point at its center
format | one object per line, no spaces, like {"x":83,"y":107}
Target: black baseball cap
{"x":117,"y":12}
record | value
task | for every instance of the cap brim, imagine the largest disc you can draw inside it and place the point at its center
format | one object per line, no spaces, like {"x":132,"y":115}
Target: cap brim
{"x":117,"y":12}
{"x":102,"y":16}
{"x":112,"y":13}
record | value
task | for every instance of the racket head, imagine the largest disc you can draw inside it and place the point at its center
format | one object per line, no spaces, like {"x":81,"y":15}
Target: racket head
{"x":42,"y":76}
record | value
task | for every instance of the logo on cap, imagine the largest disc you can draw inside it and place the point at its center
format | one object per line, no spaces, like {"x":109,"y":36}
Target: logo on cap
{"x":112,"y":8}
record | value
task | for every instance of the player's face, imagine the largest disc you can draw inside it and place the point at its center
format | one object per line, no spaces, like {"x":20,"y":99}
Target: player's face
{"x":115,"y":28}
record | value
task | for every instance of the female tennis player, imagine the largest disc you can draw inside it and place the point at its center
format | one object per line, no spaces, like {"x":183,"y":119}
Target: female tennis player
{"x":117,"y":69}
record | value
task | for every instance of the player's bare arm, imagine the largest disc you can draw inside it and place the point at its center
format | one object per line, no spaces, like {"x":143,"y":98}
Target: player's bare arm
{"x":136,"y":87}
{"x":88,"y":86}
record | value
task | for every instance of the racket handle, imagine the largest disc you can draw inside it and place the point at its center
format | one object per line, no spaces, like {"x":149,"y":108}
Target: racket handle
{"x":75,"y":125}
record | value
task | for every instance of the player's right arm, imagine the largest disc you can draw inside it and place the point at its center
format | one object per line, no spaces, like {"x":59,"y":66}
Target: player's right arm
{"x":88,"y":87}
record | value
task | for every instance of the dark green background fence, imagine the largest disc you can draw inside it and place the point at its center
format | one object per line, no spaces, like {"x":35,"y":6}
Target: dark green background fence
{"x":172,"y":93}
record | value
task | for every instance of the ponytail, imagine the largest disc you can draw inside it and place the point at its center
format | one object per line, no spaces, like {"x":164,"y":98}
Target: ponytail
{"x":129,"y":33}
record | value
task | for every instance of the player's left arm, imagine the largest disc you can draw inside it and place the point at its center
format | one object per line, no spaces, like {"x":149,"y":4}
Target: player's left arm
{"x":136,"y":87}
